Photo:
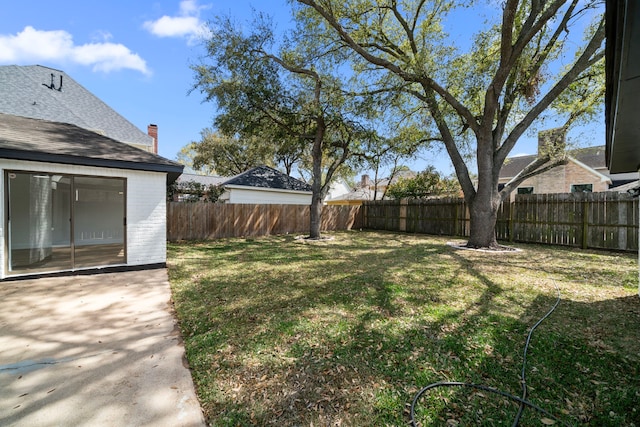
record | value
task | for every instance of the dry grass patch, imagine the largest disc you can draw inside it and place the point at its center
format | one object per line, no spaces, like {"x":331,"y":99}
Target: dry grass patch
{"x":344,"y":332}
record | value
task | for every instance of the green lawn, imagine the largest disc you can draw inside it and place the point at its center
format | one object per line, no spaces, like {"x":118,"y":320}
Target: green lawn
{"x":284,"y":332}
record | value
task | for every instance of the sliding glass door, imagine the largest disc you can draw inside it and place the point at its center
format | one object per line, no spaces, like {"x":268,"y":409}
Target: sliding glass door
{"x":98,"y":221}
{"x":63,"y":222}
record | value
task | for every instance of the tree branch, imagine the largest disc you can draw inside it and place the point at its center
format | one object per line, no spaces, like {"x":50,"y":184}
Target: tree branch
{"x":589,"y":57}
{"x":531,"y":170}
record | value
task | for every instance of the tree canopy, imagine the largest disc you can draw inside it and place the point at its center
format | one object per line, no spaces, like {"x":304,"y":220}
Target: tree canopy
{"x":426,"y":184}
{"x":528,"y":58}
{"x":288,"y":90}
{"x":230,"y":156}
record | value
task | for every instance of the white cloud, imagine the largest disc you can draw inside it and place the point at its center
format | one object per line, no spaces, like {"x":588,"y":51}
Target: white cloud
{"x":31,"y":45}
{"x":186,"y":24}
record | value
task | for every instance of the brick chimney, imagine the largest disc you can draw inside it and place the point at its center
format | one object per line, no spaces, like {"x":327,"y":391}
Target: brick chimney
{"x":551,"y":141}
{"x":152,"y":131}
{"x":365,"y":181}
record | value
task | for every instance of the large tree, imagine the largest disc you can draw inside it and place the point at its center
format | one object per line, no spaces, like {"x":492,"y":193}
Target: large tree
{"x":229,"y":155}
{"x":481,"y":98}
{"x":288,"y":87}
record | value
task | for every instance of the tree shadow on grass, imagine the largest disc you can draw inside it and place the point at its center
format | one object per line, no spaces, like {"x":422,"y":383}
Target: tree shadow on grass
{"x":351,"y":335}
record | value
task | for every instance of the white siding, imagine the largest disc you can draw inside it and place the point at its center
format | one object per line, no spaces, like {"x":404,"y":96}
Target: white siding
{"x":145,"y":210}
{"x":146,"y":218}
{"x":267,"y":196}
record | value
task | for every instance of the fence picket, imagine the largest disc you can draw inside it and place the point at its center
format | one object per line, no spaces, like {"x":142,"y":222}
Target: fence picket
{"x":592,"y":220}
{"x":201,"y":220}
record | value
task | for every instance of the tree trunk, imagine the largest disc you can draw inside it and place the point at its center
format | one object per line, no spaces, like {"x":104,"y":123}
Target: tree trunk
{"x":315,"y":215}
{"x":484,"y":204}
{"x":482,"y":233}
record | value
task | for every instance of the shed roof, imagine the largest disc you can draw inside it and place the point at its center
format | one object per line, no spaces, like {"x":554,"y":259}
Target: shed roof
{"x":266,"y":177}
{"x":45,"y":93}
{"x":23,"y":138}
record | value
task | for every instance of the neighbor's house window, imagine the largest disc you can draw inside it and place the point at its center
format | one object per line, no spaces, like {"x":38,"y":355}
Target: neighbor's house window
{"x":582,"y":188}
{"x":525,"y":190}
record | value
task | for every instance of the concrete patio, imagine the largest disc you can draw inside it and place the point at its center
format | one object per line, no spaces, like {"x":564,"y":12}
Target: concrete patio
{"x":94,"y":350}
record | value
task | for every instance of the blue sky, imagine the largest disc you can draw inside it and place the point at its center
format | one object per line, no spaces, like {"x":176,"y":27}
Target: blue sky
{"x":135,"y":56}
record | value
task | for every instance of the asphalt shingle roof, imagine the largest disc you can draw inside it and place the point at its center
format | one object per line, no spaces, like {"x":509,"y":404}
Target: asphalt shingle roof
{"x":266,"y":177}
{"x":24,"y":138}
{"x":590,"y":156}
{"x":38,"y":92}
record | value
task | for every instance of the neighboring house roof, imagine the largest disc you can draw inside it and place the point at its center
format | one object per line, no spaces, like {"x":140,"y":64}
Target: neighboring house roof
{"x":37,"y":140}
{"x":266,"y":177}
{"x":403,"y":174}
{"x":358,"y":194}
{"x":625,"y":188}
{"x":205,"y":180}
{"x":337,"y":188}
{"x":45,"y":93}
{"x":592,"y":157}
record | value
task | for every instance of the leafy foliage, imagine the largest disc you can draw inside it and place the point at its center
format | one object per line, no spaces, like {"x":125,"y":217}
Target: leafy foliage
{"x":186,"y":156}
{"x":427,"y":183}
{"x":230,"y":156}
{"x":478,"y":99}
{"x":193,"y":191}
{"x":290,"y":95}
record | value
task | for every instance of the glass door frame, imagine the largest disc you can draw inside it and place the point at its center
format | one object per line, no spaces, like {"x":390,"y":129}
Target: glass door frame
{"x":72,"y":223}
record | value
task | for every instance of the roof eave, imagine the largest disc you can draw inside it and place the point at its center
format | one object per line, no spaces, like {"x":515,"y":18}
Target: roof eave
{"x":172,"y":171}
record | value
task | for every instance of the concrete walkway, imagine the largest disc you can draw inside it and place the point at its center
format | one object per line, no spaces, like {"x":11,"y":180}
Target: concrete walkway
{"x":98,"y":350}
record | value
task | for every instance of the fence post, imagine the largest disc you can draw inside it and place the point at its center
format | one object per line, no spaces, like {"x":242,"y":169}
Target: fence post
{"x":403,"y":215}
{"x":585,"y":223}
{"x":511,"y":226}
{"x":456,"y":218}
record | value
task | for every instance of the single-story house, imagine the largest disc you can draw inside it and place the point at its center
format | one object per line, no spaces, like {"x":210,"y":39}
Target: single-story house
{"x":74,"y":199}
{"x":368,"y":189}
{"x":338,"y":187}
{"x":355,"y":197}
{"x":585,"y":171}
{"x":259,"y":185}
{"x":265,"y":185}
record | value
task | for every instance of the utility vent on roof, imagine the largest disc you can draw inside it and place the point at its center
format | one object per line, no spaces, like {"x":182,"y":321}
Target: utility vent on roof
{"x":52,"y":85}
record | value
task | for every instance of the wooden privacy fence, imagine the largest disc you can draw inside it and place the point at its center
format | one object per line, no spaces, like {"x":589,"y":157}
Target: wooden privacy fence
{"x":586,"y":220}
{"x":202,"y":221}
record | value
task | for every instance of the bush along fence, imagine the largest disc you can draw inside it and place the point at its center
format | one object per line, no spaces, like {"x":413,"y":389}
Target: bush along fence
{"x":204,"y":221}
{"x":586,"y":220}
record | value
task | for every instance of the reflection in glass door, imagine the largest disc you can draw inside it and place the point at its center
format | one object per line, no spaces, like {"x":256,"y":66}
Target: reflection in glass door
{"x":62,"y":222}
{"x":98,"y":221}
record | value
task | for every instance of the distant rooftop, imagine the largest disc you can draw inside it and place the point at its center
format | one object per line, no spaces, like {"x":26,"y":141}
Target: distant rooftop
{"x":266,"y":177}
{"x":590,"y":156}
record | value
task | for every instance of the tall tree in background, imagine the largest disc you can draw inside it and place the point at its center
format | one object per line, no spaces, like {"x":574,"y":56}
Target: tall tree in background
{"x":425,"y":184}
{"x":292,"y":89}
{"x":186,"y":157}
{"x":230,"y":156}
{"x":482,"y":98}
